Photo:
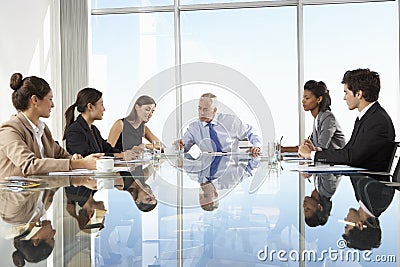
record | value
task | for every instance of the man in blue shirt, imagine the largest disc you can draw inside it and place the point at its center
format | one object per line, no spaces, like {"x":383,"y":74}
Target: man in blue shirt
{"x":218,"y":132}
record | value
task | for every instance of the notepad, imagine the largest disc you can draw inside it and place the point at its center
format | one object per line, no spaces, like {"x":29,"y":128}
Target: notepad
{"x":72,"y":172}
{"x":326,"y":169}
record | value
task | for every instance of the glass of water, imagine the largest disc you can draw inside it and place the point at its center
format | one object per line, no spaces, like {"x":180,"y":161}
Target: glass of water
{"x":157,"y":149}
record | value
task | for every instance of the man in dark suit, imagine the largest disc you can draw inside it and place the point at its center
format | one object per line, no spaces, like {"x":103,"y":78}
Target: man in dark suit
{"x":374,"y":198}
{"x":372,"y":141}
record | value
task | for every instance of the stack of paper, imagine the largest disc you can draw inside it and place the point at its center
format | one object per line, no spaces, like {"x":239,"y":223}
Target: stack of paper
{"x":72,"y":172}
{"x":326,"y":169}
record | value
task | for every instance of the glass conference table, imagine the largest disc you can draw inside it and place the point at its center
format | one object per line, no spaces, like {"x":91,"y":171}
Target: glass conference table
{"x":214,"y":211}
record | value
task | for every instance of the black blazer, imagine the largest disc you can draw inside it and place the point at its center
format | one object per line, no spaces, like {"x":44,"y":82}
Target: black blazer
{"x":375,"y":195}
{"x":371,"y":143}
{"x":82,"y":141}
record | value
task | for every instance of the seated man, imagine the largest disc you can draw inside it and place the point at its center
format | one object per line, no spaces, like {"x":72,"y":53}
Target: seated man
{"x":217,"y":176}
{"x":371,"y":143}
{"x":218,"y":132}
{"x":362,"y":230}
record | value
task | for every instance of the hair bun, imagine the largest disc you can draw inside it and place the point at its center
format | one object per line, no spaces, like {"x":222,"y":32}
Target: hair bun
{"x":16,"y":81}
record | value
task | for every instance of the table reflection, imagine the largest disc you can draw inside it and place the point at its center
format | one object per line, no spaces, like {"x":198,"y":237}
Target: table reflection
{"x":225,"y":219}
{"x":317,"y":207}
{"x":217,"y":175}
{"x":26,"y":224}
{"x":363,"y":230}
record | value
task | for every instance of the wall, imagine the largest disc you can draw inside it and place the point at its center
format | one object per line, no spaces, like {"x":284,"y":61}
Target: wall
{"x":29,"y":45}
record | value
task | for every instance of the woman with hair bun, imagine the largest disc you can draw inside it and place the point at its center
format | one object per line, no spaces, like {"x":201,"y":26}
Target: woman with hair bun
{"x":35,"y":245}
{"x":26,"y":144}
{"x":327,"y":132}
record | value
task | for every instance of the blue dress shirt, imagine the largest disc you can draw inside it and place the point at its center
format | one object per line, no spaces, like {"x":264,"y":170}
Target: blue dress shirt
{"x":229,"y":128}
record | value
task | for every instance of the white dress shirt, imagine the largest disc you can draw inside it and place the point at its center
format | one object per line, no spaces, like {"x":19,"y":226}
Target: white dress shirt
{"x":38,"y":130}
{"x":362,"y":112}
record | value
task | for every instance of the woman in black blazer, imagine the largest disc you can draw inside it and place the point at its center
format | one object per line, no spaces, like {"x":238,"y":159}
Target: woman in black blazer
{"x":81,"y":135}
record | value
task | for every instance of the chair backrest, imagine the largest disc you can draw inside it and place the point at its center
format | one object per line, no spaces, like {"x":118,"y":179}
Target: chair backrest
{"x":394,"y":164}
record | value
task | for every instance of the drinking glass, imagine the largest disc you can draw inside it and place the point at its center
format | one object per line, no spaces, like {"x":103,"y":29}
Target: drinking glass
{"x":156,"y":150}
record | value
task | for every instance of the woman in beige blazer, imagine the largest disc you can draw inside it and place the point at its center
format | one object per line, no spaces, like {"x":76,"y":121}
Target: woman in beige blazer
{"x":26,"y":144}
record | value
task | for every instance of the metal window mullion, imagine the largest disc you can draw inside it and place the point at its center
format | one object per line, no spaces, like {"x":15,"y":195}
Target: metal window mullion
{"x":300,"y":79}
{"x":227,"y":5}
{"x":178,"y":90}
{"x":300,"y":68}
{"x":329,"y":2}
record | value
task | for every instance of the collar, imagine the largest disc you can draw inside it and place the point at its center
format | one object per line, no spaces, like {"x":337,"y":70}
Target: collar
{"x":364,"y":208}
{"x":83,"y":122}
{"x":214,"y":121}
{"x":362,"y":112}
{"x":33,"y":232}
{"x":39,"y":129}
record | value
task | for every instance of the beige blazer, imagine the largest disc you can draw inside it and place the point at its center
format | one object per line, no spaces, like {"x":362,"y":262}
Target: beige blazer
{"x":18,"y":208}
{"x":20,"y":154}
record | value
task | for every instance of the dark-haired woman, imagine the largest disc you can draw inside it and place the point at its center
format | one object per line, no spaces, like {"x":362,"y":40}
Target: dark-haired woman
{"x":26,"y":144}
{"x":35,"y":244}
{"x":81,"y":135}
{"x":128,"y":132}
{"x":327,"y":132}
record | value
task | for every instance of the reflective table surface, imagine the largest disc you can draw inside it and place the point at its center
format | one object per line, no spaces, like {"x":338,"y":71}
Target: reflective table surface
{"x":214,"y":211}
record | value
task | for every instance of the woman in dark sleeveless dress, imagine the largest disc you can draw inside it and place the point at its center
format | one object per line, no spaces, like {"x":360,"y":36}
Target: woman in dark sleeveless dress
{"x":128,"y":132}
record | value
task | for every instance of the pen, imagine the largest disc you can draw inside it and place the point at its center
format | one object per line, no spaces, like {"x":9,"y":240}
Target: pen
{"x":351,"y":223}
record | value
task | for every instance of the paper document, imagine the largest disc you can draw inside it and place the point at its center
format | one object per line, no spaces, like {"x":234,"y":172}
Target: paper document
{"x":131,"y":161}
{"x":290,"y":154}
{"x":72,"y":172}
{"x":122,"y":169}
{"x":296,"y":159}
{"x":326,"y":169}
{"x":224,"y":153}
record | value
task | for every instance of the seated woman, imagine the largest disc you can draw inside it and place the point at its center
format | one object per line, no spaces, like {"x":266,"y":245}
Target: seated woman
{"x":317,"y":207}
{"x":35,"y":244}
{"x":81,"y":135}
{"x":128,"y":132}
{"x":26,"y":144}
{"x":140,"y":191}
{"x":327,"y":132}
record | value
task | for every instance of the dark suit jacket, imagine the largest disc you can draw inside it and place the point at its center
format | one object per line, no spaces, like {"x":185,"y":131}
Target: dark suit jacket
{"x":373,"y":194}
{"x":82,"y":141}
{"x":371,"y":143}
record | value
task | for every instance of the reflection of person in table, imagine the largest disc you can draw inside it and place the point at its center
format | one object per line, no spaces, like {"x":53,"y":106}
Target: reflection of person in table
{"x":35,"y":244}
{"x":318,"y":205}
{"x":24,"y":213}
{"x":83,"y":196}
{"x":134,"y":182}
{"x":362,"y":230}
{"x":90,"y":216}
{"x":217,"y":176}
{"x":26,"y":144}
